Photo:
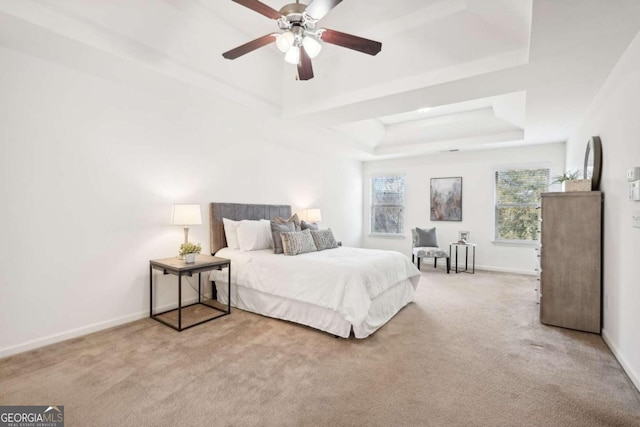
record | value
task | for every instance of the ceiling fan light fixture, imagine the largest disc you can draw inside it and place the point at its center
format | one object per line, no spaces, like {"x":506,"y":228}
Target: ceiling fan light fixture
{"x":293,"y":55}
{"x":285,"y":41}
{"x":311,"y":46}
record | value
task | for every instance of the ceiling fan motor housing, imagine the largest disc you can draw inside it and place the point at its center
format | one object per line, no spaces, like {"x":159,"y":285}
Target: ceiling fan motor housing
{"x":294,"y":15}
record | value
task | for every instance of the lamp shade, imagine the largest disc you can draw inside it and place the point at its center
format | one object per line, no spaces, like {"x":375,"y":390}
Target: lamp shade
{"x":186,"y":215}
{"x":314,"y":215}
{"x":311,"y":46}
{"x":293,"y":55}
{"x":284,"y":41}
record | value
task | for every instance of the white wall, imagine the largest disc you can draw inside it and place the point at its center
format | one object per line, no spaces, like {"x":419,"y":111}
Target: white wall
{"x":477,"y":172}
{"x":89,"y":170}
{"x":613,"y":116}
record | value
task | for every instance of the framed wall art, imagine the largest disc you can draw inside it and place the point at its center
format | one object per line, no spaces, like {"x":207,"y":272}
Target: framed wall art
{"x":446,"y":199}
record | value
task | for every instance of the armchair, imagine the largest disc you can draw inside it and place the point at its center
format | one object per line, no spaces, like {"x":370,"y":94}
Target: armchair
{"x":425,"y":245}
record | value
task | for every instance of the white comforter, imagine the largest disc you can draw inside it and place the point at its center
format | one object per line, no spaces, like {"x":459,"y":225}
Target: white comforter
{"x":344,"y":279}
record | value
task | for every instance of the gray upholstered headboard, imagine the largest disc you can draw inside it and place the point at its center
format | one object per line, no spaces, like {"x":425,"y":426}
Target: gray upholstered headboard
{"x":237,"y":212}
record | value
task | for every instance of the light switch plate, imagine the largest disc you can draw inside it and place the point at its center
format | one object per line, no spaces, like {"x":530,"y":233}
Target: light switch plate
{"x":635,"y":219}
{"x":633,"y":174}
{"x":634,"y":190}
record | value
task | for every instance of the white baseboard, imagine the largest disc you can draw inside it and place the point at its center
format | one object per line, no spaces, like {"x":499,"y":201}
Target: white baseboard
{"x":506,"y":270}
{"x":633,"y":376}
{"x":85,"y":330}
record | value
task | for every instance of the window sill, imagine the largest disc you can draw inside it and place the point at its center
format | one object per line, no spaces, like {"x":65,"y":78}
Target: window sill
{"x":523,"y":243}
{"x":388,"y":235}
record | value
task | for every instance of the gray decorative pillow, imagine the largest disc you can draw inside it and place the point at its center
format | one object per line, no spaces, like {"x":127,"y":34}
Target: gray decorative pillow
{"x":324,"y":239}
{"x":427,"y":237}
{"x":309,"y":225}
{"x":297,"y":242}
{"x":276,"y":229}
{"x":294,"y":219}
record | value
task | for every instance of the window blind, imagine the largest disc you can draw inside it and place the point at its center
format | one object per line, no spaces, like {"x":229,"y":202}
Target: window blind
{"x":387,"y":204}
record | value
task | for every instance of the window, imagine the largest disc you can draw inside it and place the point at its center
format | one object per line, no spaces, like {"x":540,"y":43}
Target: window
{"x":517,"y":199}
{"x":387,"y":204}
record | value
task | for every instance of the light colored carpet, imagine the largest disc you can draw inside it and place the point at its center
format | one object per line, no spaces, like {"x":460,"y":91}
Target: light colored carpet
{"x":469,"y":351}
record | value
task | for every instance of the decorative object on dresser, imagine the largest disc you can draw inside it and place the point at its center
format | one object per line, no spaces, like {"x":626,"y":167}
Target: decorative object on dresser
{"x":446,"y":199}
{"x":186,"y":215}
{"x":571,"y":181}
{"x":593,"y":162}
{"x":571,"y":260}
{"x":425,"y":245}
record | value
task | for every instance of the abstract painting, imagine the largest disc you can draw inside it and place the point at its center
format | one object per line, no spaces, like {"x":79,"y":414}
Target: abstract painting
{"x":446,"y":199}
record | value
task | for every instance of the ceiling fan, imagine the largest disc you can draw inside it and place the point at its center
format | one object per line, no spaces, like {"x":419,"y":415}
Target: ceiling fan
{"x":299,"y":38}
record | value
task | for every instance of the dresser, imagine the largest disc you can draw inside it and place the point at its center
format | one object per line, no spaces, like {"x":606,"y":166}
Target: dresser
{"x":571,"y":260}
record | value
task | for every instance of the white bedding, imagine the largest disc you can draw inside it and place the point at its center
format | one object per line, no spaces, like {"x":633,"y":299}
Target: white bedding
{"x":346,"y":280}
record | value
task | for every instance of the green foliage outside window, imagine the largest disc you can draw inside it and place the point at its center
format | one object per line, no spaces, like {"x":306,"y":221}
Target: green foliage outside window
{"x":518,"y":194}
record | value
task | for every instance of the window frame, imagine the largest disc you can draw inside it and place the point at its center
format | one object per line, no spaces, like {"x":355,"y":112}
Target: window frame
{"x":372,"y":205}
{"x":516,"y":242}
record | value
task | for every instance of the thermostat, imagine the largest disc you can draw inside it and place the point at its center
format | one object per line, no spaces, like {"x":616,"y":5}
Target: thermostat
{"x":633,"y":174}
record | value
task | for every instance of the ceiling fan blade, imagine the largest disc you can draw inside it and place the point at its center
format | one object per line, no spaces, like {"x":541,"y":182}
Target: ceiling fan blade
{"x":259,"y":7}
{"x":349,"y":41}
{"x":305,"y":69}
{"x":250,"y":47}
{"x":317,"y":9}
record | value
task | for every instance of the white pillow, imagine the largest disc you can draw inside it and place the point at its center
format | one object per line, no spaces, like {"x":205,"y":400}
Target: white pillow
{"x":231,"y":233}
{"x":254,"y":235}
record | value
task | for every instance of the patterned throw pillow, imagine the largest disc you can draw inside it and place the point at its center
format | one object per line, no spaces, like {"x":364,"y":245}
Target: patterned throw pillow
{"x":324,"y":239}
{"x":294,"y":219}
{"x":297,"y":242}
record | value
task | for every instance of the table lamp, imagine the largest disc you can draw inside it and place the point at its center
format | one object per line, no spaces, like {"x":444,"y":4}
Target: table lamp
{"x":186,"y":215}
{"x":314,"y":215}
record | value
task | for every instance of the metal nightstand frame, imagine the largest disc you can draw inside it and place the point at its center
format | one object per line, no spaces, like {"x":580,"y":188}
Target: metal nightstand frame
{"x":180,"y":268}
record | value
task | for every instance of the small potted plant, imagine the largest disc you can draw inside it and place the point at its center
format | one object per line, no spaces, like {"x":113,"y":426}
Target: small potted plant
{"x":572,"y":181}
{"x":189,"y":251}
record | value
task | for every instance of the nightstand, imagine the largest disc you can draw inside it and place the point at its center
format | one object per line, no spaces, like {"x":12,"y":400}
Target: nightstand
{"x":466,"y":247}
{"x":180,"y":268}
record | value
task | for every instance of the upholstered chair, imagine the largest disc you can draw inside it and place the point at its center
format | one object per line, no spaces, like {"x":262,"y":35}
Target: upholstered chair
{"x":425,"y":245}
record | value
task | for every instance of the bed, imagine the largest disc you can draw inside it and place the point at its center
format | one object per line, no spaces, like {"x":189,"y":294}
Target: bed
{"x":339,"y":291}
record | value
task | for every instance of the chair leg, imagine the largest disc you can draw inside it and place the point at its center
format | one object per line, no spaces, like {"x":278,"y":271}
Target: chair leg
{"x":448,"y":264}
{"x":413,"y":258}
{"x":418,"y":263}
{"x":435,"y":262}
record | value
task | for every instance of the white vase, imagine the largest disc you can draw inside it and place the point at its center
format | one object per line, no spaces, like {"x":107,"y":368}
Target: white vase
{"x":190,"y":258}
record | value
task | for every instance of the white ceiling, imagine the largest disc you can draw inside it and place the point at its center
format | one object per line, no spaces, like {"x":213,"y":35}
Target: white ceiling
{"x":492,"y":72}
